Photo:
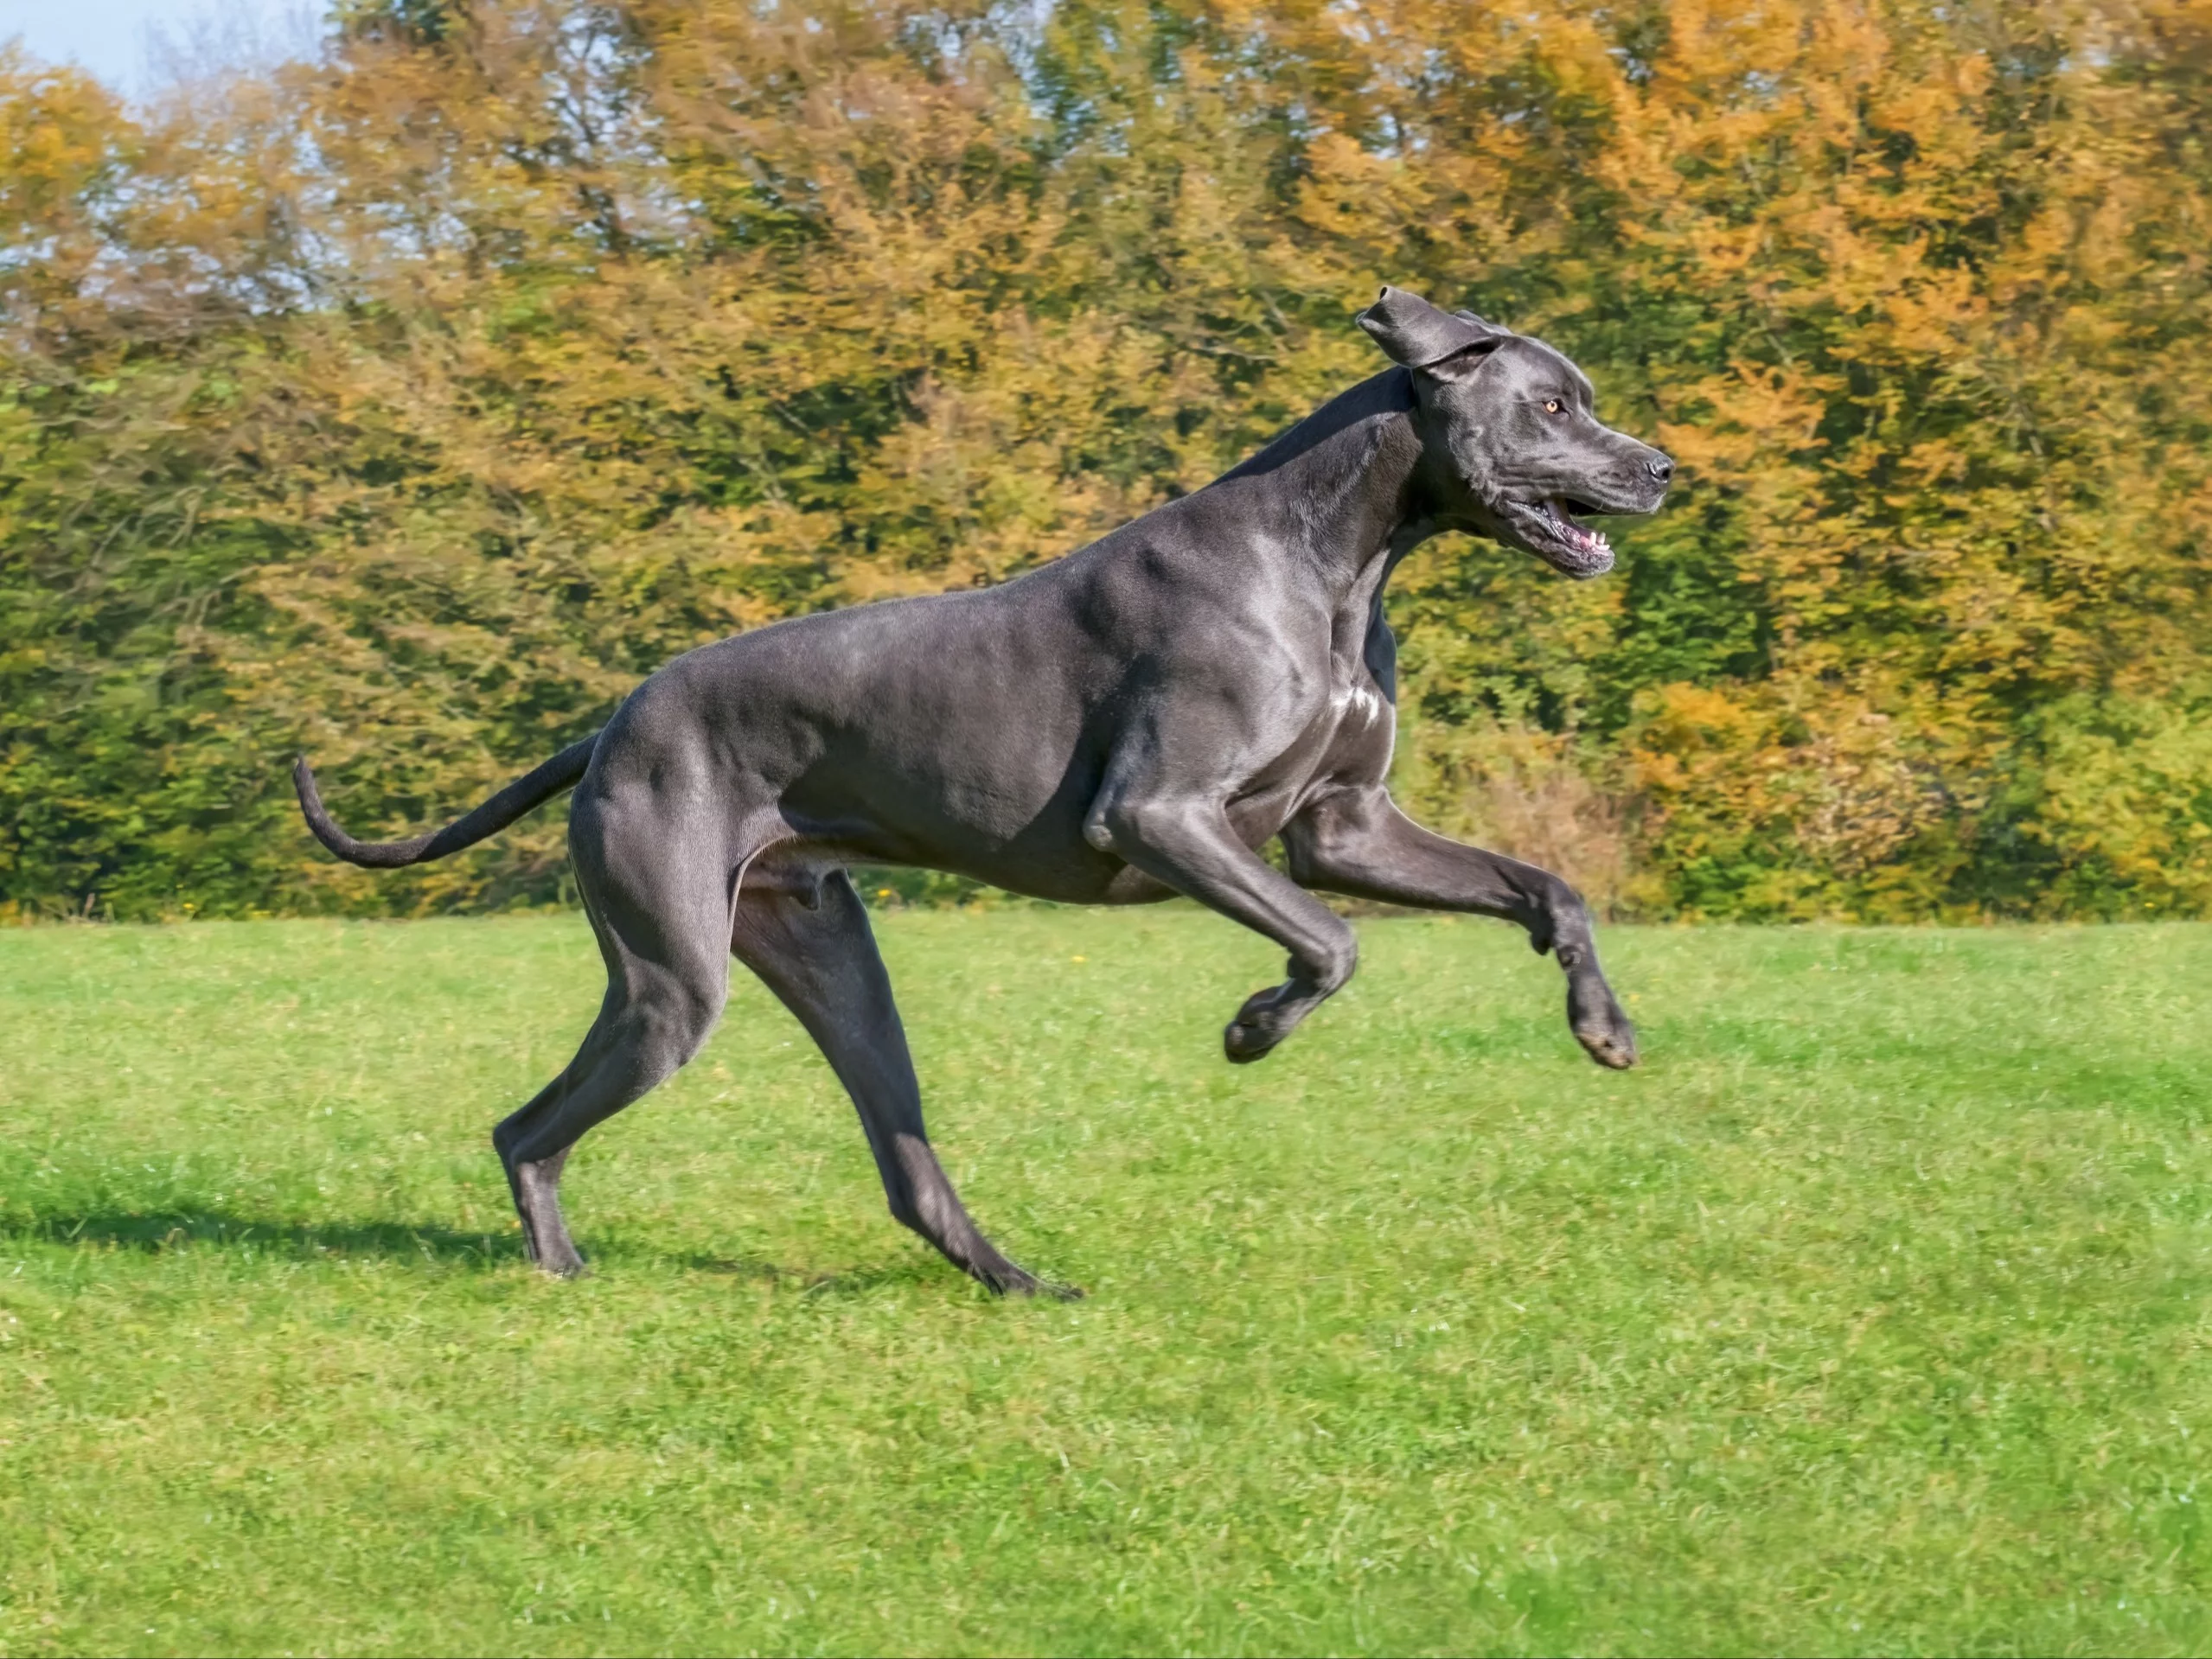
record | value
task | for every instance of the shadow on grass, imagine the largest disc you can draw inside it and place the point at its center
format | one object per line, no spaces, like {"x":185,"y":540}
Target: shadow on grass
{"x":848,"y":1281}
{"x":156,"y":1231}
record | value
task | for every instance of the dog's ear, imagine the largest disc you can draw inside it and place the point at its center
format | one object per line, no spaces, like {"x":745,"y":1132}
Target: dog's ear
{"x":1414,"y":333}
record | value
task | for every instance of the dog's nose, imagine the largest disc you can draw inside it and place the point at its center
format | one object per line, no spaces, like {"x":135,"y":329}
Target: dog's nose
{"x":1659,"y":468}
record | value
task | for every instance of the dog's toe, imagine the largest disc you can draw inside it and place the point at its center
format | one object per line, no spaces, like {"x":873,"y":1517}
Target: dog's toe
{"x":1599,"y":1024}
{"x":1615,"y":1051}
{"x":1004,"y":1278}
{"x":1610,"y":1041}
{"x":1244,"y":1042}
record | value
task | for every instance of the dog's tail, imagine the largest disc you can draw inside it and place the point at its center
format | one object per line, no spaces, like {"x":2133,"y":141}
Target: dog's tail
{"x":559,"y":773}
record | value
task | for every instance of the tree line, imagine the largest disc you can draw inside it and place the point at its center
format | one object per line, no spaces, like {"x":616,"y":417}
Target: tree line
{"x":407,"y":405}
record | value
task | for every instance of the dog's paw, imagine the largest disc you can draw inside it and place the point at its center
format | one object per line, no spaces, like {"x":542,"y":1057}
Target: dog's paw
{"x":1265,"y":1019}
{"x":1244,"y":1044}
{"x":1003,"y":1278}
{"x":1615,"y":1050}
{"x":1599,"y":1024}
{"x":562,"y":1263}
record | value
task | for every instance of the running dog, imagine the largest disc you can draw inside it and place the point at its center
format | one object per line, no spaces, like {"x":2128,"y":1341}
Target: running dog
{"x":1130,"y":723}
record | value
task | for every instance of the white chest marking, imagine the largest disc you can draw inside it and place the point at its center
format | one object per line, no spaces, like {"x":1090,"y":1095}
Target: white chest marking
{"x":1369,"y":703}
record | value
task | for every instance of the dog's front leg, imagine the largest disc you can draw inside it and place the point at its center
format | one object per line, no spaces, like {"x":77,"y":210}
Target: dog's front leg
{"x":1358,"y":843}
{"x":1188,"y":844}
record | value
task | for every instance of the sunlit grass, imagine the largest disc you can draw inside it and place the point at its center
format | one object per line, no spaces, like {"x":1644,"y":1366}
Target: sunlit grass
{"x":1869,"y":1315}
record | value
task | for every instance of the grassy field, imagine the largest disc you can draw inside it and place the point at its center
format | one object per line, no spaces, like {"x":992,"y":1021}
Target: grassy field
{"x":1869,"y":1315}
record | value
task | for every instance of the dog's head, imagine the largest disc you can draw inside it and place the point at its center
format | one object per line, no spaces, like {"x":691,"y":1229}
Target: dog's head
{"x":1511,"y":444}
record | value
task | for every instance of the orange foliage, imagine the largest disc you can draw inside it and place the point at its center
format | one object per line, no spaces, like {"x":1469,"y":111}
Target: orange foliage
{"x":410,"y":405}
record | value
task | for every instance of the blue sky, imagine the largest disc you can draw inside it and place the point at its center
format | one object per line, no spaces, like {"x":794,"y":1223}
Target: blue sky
{"x":115,"y":38}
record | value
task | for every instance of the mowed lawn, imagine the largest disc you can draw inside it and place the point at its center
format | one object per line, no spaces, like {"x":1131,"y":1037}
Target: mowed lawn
{"x":1869,"y":1315}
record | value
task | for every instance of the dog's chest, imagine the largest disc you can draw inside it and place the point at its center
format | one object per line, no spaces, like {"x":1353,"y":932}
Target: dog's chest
{"x":1348,"y":739}
{"x":1358,"y":704}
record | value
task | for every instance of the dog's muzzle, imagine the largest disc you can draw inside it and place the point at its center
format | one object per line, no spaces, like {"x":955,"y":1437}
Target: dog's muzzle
{"x":1550,"y":529}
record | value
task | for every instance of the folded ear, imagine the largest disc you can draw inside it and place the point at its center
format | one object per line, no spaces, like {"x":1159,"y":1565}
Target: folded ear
{"x":1414,"y":333}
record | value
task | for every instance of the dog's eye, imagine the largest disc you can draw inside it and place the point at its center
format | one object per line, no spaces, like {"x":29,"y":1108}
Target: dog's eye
{"x":1552,"y":406}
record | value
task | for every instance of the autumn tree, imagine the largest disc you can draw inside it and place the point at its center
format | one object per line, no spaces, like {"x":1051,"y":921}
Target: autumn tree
{"x":410,"y":405}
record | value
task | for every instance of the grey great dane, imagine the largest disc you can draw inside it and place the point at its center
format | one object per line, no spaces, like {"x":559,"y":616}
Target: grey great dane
{"x":1130,"y":723}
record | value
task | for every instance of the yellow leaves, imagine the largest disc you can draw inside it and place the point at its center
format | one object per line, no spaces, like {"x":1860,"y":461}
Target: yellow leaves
{"x":65,"y":147}
{"x":58,"y":128}
{"x":547,"y":352}
{"x":1828,"y":789}
{"x":1686,"y":721}
{"x":2127,"y":786}
{"x":1733,"y":424}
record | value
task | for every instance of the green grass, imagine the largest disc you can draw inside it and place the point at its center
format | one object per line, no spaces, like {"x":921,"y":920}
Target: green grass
{"x":1869,"y":1315}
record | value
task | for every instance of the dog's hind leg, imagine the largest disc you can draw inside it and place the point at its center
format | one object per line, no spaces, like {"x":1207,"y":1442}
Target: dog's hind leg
{"x":816,"y":953}
{"x":651,"y":1022}
{"x":661,"y":929}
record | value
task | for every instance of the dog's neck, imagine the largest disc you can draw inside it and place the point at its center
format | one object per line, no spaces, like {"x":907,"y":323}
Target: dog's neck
{"x":1344,"y":484}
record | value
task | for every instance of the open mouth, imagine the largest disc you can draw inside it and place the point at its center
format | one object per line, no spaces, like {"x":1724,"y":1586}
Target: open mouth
{"x":1555,"y":532}
{"x":1559,"y":516}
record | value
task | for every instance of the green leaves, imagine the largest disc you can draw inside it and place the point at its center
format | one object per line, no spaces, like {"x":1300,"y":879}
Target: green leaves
{"x":410,"y":406}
